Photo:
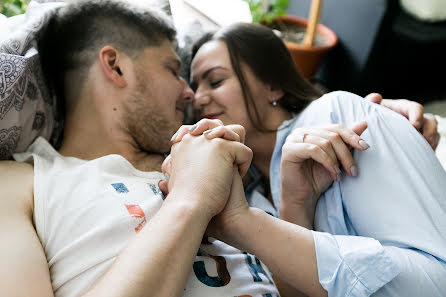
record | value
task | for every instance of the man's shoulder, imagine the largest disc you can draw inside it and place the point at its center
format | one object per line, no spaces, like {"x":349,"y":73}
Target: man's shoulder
{"x":16,"y":182}
{"x":13,"y":169}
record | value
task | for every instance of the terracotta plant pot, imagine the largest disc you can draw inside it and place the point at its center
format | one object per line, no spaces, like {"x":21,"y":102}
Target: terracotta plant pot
{"x":308,"y":59}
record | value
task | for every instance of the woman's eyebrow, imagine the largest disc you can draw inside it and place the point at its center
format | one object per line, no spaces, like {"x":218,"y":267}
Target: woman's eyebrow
{"x":207,"y":72}
{"x":204,"y":75}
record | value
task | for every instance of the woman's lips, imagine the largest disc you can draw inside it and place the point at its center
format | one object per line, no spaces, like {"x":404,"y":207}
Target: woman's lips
{"x":211,"y":115}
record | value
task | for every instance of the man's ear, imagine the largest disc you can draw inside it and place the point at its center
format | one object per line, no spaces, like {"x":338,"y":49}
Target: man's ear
{"x":110,"y":61}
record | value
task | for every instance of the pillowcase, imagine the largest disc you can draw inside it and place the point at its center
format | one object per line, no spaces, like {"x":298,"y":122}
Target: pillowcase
{"x":27,"y":106}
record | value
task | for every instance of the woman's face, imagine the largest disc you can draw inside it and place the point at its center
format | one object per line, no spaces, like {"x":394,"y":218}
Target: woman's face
{"x":218,"y":94}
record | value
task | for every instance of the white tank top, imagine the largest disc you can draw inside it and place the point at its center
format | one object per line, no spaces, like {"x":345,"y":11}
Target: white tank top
{"x":85,"y":212}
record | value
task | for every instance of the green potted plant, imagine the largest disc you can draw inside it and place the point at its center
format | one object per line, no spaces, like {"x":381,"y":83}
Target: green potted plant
{"x":13,"y":7}
{"x":306,"y":40}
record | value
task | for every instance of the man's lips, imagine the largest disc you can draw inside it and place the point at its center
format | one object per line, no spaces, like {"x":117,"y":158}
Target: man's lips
{"x":211,"y":115}
{"x":179,"y":109}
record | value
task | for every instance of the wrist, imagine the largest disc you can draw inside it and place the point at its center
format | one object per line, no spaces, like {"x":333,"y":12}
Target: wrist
{"x":297,"y":213}
{"x":240,"y":227}
{"x":191,"y":203}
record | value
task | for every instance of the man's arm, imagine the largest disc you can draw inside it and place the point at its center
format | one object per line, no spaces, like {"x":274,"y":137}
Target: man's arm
{"x":24,"y":269}
{"x":145,"y":266}
{"x":159,"y":258}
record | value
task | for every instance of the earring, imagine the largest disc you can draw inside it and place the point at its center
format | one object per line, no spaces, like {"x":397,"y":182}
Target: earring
{"x":274,"y":103}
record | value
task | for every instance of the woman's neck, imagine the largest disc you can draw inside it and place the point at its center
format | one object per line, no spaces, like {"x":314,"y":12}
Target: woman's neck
{"x":262,"y":146}
{"x":263,"y":143}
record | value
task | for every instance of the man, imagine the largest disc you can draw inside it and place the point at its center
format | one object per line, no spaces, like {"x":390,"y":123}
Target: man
{"x":71,"y":219}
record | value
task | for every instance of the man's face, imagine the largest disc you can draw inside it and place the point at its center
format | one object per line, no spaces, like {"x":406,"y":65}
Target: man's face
{"x":155,"y":107}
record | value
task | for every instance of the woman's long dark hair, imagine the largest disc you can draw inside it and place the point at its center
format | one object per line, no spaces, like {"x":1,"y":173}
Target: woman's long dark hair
{"x":270,"y":61}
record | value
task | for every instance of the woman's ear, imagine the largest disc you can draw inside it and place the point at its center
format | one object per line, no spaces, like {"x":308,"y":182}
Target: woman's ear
{"x":276,"y":93}
{"x":110,"y":61}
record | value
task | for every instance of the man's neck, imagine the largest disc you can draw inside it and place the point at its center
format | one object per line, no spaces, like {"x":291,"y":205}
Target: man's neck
{"x":147,"y":162}
{"x":142,"y":161}
{"x":88,"y":141}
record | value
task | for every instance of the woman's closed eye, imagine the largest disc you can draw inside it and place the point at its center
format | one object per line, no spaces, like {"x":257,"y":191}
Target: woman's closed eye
{"x":215,"y":83}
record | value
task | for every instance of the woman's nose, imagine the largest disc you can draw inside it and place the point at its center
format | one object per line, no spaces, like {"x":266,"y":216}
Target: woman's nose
{"x":201,"y":98}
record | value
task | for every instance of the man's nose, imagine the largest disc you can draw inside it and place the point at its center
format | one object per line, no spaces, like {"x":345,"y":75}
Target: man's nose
{"x":187,"y":95}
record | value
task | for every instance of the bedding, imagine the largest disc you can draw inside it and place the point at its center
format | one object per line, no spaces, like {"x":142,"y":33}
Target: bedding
{"x":27,"y":106}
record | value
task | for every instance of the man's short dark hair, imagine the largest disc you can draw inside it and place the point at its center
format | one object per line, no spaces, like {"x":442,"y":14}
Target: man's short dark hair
{"x":73,"y":37}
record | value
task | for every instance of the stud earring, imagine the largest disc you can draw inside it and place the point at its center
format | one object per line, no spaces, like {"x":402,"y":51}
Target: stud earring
{"x":274,"y":103}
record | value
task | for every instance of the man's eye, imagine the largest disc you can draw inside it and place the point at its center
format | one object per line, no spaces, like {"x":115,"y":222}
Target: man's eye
{"x":215,"y":83}
{"x":174,"y":72}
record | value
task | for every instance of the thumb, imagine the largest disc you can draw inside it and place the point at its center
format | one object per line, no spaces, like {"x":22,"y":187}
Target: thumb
{"x":359,"y":127}
{"x":164,"y":187}
{"x":165,"y":168}
{"x":374,"y":98}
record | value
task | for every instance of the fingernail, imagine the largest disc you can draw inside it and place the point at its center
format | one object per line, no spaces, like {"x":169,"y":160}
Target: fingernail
{"x":207,"y":131}
{"x":364,"y":144}
{"x":336,"y":168}
{"x":174,"y":137}
{"x":338,"y":172}
{"x":167,"y":176}
{"x":192,"y":128}
{"x":354,"y":170}
{"x":338,"y":176}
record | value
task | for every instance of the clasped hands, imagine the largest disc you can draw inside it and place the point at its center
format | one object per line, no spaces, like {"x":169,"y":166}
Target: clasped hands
{"x":206,"y":165}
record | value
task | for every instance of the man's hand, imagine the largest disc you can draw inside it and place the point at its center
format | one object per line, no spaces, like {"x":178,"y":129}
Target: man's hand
{"x":414,"y":112}
{"x":205,"y":165}
{"x":311,"y":159}
{"x":236,"y":205}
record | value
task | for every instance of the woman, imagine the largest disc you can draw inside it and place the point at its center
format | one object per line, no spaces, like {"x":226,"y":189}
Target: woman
{"x":244,"y":75}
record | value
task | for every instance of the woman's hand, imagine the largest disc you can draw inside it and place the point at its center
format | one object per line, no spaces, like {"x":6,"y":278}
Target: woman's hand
{"x":311,"y":161}
{"x":212,"y":129}
{"x":426,"y":124}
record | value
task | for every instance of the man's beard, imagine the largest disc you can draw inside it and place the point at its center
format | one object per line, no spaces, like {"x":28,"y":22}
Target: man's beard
{"x":149,"y":128}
